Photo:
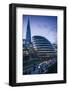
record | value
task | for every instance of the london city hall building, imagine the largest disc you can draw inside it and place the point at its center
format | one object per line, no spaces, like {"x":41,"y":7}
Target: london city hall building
{"x":43,"y":47}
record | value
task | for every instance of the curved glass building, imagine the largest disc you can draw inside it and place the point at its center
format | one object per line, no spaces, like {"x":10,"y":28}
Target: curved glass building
{"x":43,"y":47}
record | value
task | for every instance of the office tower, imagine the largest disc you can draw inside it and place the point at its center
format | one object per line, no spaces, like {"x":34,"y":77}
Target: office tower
{"x":28,"y":34}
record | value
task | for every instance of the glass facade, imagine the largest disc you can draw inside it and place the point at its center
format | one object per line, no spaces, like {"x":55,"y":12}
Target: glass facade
{"x":28,"y":34}
{"x":43,"y":47}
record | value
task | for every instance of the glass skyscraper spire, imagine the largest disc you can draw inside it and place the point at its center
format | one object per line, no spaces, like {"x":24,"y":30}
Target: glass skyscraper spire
{"x":28,"y":33}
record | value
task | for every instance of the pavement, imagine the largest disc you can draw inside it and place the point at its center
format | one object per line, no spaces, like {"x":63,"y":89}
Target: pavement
{"x":41,"y":68}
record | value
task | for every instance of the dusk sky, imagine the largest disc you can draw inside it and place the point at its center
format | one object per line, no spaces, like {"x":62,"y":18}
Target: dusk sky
{"x":45,"y":26}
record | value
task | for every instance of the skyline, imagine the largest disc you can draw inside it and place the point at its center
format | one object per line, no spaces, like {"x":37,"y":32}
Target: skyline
{"x":45,"y":26}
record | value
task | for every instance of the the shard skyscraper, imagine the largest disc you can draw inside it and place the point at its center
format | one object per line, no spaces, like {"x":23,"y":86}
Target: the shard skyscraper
{"x":28,"y":34}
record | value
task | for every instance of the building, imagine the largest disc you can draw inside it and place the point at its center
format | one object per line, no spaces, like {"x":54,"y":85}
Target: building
{"x":43,"y":47}
{"x":29,"y":54}
{"x":55,"y":46}
{"x":28,"y":34}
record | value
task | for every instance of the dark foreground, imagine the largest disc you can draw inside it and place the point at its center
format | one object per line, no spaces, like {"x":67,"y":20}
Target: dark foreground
{"x":45,"y":67}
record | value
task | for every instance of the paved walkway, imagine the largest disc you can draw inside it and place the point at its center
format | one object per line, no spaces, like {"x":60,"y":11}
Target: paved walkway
{"x":42,"y":68}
